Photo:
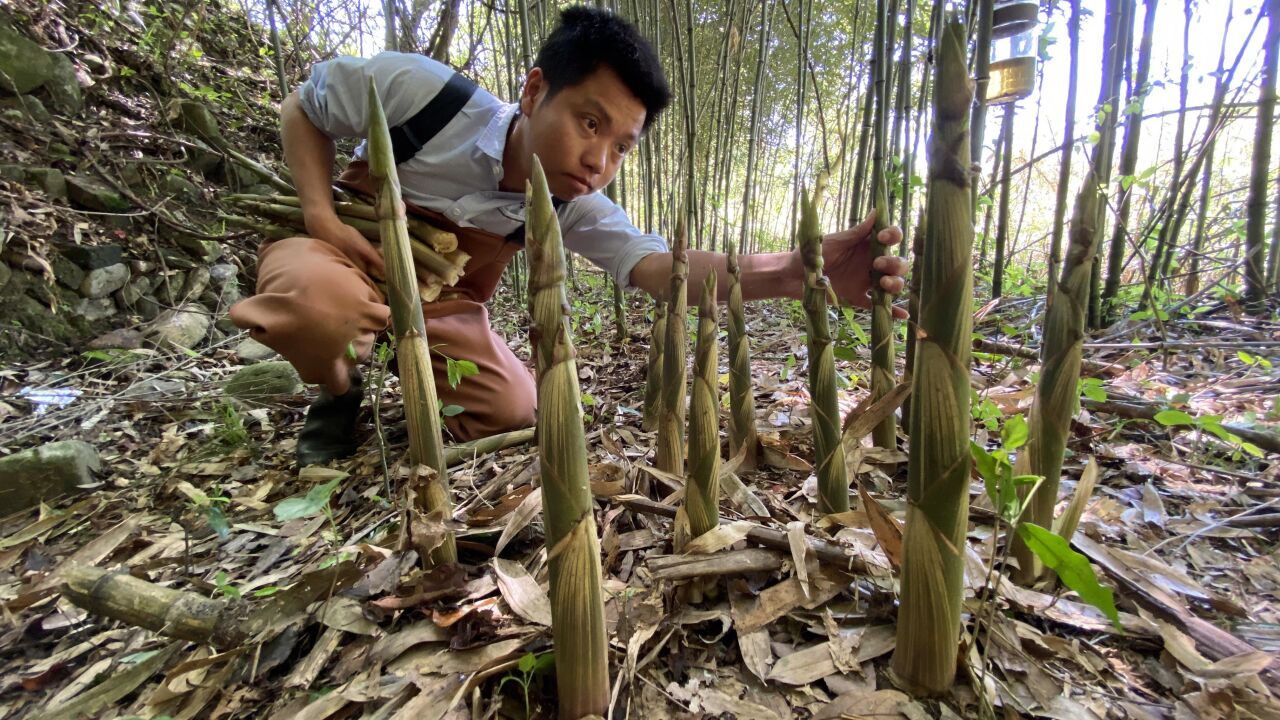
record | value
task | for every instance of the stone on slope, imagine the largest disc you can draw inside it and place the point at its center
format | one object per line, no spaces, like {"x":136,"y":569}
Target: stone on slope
{"x":24,"y":65}
{"x":94,"y":194}
{"x":45,"y":472}
{"x":264,"y":380}
{"x":101,"y":282}
{"x":182,"y":327}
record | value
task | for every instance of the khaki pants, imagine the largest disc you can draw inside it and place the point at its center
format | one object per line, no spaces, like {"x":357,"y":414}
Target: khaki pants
{"x":312,"y":301}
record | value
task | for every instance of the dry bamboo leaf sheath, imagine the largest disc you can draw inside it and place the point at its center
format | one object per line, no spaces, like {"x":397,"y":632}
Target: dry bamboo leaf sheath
{"x":421,"y":409}
{"x":702,"y":493}
{"x":938,"y":474}
{"x":742,"y":410}
{"x":573,"y":548}
{"x":670,"y":454}
{"x":833,"y":477}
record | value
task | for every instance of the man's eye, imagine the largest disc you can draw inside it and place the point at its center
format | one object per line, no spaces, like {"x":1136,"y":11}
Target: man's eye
{"x":590,"y":123}
{"x":622,"y":149}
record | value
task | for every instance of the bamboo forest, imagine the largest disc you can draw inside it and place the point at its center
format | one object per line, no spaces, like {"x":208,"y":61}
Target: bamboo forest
{"x":476,"y":359}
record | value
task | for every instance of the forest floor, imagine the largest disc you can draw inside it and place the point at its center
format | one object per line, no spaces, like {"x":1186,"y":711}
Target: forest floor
{"x":1182,"y":523}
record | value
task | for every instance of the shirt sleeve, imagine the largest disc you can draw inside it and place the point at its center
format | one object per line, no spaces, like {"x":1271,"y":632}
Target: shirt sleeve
{"x":600,"y":231}
{"x":335,"y":97}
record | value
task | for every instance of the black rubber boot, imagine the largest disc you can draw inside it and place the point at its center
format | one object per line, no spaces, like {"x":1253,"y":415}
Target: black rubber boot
{"x":329,"y":431}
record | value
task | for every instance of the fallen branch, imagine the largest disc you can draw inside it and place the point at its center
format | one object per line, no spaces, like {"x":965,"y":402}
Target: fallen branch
{"x":835,"y":555}
{"x":1030,"y":353}
{"x":1266,"y":440}
{"x":456,"y":454}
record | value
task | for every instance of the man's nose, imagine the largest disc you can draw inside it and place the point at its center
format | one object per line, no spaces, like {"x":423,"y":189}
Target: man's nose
{"x":594,"y":157}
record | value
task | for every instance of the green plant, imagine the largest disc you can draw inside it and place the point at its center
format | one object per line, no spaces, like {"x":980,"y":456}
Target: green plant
{"x":528,"y":667}
{"x":1211,"y":424}
{"x":224,"y":586}
{"x":231,"y":431}
{"x":1055,"y":552}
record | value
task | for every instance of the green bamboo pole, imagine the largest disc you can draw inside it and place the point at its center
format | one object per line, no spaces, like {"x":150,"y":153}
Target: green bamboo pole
{"x":938,"y":474}
{"x":653,"y":376}
{"x":1057,"y":394}
{"x":573,"y":548}
{"x":742,"y":409}
{"x":426,"y":446}
{"x":885,"y":435}
{"x":670,"y":453}
{"x":702,"y":493}
{"x":833,"y":477}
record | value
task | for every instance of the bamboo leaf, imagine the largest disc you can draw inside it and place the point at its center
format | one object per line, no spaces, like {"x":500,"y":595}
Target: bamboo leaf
{"x":1072,"y":568}
{"x":300,"y":506}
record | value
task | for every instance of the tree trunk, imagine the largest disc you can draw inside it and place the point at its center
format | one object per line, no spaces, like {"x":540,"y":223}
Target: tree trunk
{"x":1068,"y":148}
{"x":748,"y":185}
{"x":445,"y":28}
{"x":1005,"y":159}
{"x":982,"y":75}
{"x":883,"y":377}
{"x":1138,"y":89}
{"x":1255,"y":279}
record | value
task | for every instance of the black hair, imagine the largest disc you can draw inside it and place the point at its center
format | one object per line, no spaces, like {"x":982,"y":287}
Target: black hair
{"x":589,"y":37}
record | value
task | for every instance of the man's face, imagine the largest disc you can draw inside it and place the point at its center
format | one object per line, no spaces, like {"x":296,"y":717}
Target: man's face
{"x":582,"y":133}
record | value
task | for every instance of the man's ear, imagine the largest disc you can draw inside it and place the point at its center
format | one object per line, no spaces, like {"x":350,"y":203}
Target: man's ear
{"x":535,"y":86}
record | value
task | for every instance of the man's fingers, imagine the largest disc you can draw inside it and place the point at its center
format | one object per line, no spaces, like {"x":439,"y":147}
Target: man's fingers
{"x":890,"y":265}
{"x":900,"y":313}
{"x":890,"y":236}
{"x":892,"y":284}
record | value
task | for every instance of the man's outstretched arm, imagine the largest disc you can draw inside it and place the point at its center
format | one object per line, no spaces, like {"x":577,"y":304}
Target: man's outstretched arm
{"x":846,"y":261}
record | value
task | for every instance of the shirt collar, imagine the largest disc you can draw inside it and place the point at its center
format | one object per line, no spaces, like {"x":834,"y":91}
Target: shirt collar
{"x":494,"y":139}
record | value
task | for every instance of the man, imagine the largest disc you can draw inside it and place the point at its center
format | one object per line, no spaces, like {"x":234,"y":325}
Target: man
{"x":463,"y":159}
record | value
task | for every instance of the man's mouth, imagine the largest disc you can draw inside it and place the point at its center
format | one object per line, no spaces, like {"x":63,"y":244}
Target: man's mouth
{"x":580,"y":185}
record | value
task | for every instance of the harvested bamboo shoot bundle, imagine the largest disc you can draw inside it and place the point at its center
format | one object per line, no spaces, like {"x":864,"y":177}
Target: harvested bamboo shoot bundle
{"x":421,"y":407}
{"x":938,"y":480}
{"x":653,"y":376}
{"x":702,"y":493}
{"x":670,"y":453}
{"x":824,"y":410}
{"x":742,"y":410}
{"x":573,"y":549}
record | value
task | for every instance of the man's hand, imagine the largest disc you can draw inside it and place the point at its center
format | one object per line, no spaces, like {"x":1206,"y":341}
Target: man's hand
{"x":847,"y":262}
{"x":355,"y":246}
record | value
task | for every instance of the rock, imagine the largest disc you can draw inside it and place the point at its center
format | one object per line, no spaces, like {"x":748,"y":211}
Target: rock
{"x":225,"y":325}
{"x":208,"y":163}
{"x":63,"y":86}
{"x":241,"y":178}
{"x":264,"y":380}
{"x":94,"y":194}
{"x":120,"y":338}
{"x":24,"y":65}
{"x":206,"y":251}
{"x":46,"y":472}
{"x":154,"y":389}
{"x":49,"y":180}
{"x":27,"y":108}
{"x":175,"y":259}
{"x":180,"y":188}
{"x":132,"y":175}
{"x":5,"y":274}
{"x":197,"y":281}
{"x":260,"y":189}
{"x":103,"y":281}
{"x":93,"y":309}
{"x":128,"y":296}
{"x":251,"y":351}
{"x":147,"y":307}
{"x":67,"y":273}
{"x":183,"y":327}
{"x":141,"y":267}
{"x":15,"y":173}
{"x":169,"y":288}
{"x":92,"y":257}
{"x":221,"y":274}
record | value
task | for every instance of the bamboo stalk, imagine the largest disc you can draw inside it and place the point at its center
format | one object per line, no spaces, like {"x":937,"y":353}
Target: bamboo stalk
{"x":742,"y":409}
{"x":421,"y":406}
{"x":442,"y":241}
{"x":573,"y":548}
{"x":653,"y":377}
{"x":883,"y":380}
{"x":670,"y":453}
{"x":938,"y":481}
{"x":824,"y":409}
{"x":1057,"y":394}
{"x":702,"y":493}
